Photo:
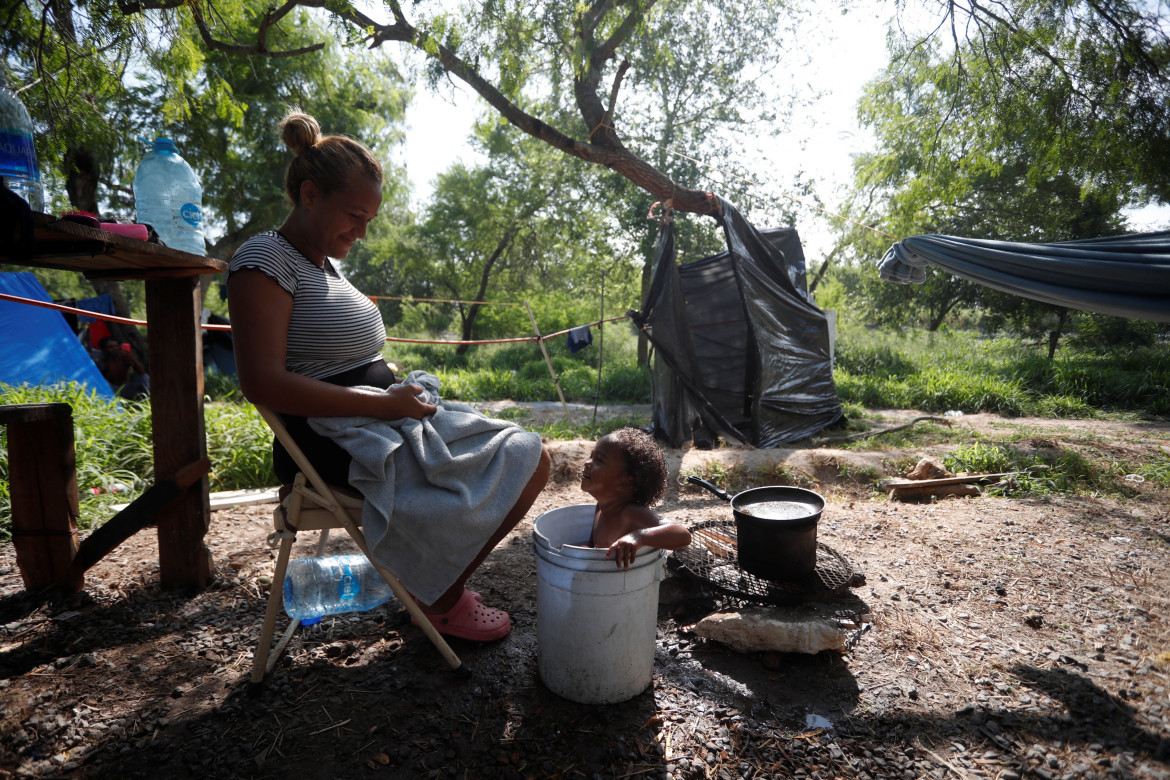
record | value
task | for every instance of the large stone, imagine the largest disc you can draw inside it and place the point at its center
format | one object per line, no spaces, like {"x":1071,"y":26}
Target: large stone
{"x":928,"y":468}
{"x":760,"y":629}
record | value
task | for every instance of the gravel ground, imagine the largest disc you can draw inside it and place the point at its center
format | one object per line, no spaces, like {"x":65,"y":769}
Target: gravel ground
{"x":1010,"y":638}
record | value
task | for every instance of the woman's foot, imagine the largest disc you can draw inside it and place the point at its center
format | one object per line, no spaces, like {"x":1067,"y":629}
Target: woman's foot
{"x":470,"y":618}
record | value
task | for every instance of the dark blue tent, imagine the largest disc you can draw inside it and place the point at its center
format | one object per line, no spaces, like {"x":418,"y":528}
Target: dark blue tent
{"x":39,"y":347}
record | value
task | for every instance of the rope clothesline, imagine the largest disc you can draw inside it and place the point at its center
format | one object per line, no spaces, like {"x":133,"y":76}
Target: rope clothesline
{"x":127,"y":321}
{"x":377,"y":298}
{"x":91,"y":314}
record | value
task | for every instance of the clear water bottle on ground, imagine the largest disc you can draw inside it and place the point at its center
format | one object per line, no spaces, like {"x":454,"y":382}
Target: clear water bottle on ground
{"x":18,"y":156}
{"x":169,"y":197}
{"x":314,"y":587}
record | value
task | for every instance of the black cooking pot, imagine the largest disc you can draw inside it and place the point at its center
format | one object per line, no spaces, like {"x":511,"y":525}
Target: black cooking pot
{"x":775,"y":529}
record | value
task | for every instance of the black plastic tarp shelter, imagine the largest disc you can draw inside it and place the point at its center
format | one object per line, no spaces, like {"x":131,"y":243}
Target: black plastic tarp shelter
{"x":739,"y":349}
{"x":1126,"y":276}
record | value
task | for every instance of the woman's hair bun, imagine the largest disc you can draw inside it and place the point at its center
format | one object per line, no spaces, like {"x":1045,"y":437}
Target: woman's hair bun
{"x":299,"y":131}
{"x":329,"y":161}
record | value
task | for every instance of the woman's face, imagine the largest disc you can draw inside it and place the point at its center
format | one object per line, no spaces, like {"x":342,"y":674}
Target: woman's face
{"x":340,"y":218}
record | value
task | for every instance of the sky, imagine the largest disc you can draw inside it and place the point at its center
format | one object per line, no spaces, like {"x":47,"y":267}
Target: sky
{"x":844,"y":51}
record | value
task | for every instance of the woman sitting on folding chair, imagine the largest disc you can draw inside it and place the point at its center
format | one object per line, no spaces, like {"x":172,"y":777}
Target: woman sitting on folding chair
{"x":450,"y":482}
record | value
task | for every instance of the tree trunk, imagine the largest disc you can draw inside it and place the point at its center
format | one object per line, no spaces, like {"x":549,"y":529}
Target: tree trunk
{"x":1054,"y":335}
{"x":936,"y":319}
{"x":81,"y":179}
{"x":812,"y":286}
{"x":469,"y":320}
{"x":643,"y":342}
{"x":468,"y":328}
{"x":82,"y":175}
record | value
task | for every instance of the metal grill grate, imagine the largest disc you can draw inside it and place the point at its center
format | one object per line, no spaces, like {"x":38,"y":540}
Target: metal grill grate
{"x":712,"y":557}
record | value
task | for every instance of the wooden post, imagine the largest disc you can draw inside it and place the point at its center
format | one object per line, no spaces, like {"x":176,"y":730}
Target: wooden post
{"x":42,"y":471}
{"x":552,"y":371}
{"x":600,"y":348}
{"x":176,"y":398}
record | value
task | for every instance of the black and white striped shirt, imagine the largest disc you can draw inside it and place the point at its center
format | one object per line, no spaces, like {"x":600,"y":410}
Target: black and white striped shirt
{"x":333,"y":327}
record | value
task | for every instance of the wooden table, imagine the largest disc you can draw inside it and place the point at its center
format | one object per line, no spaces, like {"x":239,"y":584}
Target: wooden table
{"x":178,"y":501}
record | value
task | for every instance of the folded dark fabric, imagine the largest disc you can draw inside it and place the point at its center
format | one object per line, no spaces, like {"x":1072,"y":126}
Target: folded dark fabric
{"x":1126,"y":276}
{"x":579,"y":338}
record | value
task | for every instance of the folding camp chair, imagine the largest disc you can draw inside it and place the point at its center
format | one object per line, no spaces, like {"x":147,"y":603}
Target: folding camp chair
{"x":313,"y":505}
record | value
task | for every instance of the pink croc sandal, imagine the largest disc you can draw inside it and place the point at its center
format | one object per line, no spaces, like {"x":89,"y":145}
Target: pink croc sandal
{"x":471,"y":619}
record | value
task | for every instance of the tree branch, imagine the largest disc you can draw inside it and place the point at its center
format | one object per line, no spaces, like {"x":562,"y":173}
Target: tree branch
{"x":1134,"y":42}
{"x":261,"y":46}
{"x":609,"y":47}
{"x":129,"y":9}
{"x":617,"y":85}
{"x":606,"y":149}
{"x":591,"y":18}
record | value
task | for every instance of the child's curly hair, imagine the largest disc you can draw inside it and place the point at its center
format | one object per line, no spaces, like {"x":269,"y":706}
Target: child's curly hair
{"x":644,"y":462}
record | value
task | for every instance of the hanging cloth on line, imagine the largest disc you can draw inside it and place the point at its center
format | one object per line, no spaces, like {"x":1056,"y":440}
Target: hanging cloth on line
{"x":579,"y":338}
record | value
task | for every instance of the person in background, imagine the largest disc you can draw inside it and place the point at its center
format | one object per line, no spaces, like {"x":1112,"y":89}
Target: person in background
{"x":122,"y":369}
{"x":626,"y":474}
{"x":308,"y":345}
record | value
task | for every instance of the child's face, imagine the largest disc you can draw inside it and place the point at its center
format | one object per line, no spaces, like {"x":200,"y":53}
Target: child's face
{"x":604,"y":476}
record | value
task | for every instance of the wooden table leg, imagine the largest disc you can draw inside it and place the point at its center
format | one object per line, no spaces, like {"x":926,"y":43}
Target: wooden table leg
{"x":42,"y":472}
{"x":176,"y":397}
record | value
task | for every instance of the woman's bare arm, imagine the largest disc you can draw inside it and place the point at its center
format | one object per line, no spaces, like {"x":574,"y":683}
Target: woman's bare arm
{"x":260,"y":313}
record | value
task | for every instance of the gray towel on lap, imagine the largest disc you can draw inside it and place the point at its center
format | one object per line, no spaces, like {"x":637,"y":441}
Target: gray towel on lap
{"x":435,"y":489}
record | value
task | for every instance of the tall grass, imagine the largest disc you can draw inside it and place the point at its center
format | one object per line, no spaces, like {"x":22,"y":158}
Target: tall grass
{"x":1039,"y":472}
{"x":114,"y":452}
{"x":943,"y":371}
{"x":519,"y":371}
{"x":935,"y":372}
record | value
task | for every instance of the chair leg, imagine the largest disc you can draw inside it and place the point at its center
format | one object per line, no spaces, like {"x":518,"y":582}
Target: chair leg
{"x":260,"y":662}
{"x":322,"y":543}
{"x":420,"y":618}
{"x":263,"y":659}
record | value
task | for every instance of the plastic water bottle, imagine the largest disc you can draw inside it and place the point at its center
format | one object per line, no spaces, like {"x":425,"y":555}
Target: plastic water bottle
{"x":18,"y":156}
{"x":314,"y":587}
{"x":169,"y":198}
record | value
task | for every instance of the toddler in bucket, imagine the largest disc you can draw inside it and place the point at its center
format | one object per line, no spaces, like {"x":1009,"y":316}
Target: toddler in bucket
{"x":626,"y":474}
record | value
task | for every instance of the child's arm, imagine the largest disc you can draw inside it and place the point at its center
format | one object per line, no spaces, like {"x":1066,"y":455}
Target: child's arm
{"x":664,"y":536}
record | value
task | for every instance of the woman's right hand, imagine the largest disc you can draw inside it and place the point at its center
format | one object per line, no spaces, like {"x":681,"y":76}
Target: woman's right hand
{"x":405,"y":402}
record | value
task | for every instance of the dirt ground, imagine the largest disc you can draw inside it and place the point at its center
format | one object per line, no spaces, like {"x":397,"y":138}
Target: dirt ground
{"x":1006,"y":638}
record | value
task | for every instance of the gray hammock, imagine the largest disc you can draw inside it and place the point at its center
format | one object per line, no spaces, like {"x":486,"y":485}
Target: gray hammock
{"x":1126,"y":276}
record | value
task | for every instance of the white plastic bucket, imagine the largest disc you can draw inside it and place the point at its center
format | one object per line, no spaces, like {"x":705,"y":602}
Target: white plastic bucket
{"x":595,"y":623}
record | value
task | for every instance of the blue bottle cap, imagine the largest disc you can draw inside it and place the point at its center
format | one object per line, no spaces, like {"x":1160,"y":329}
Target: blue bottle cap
{"x":164,"y":144}
{"x":310,"y":621}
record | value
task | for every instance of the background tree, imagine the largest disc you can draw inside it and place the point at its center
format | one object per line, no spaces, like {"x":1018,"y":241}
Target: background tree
{"x":946,"y":162}
{"x":1067,"y":76}
{"x":101,"y":87}
{"x":505,"y":231}
{"x":516,"y":54}
{"x":1068,"y":86}
{"x":1079,"y":87}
